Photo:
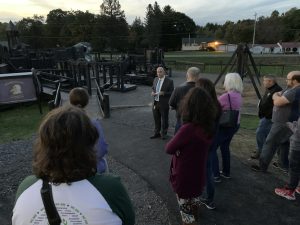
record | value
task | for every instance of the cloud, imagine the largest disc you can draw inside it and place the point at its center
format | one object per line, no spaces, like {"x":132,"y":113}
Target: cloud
{"x":201,"y":11}
{"x":223,"y":11}
{"x":6,"y":16}
{"x":42,"y":4}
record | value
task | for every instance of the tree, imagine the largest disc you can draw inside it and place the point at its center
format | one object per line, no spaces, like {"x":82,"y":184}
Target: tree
{"x":228,"y":27}
{"x":112,"y":8}
{"x":291,"y":23}
{"x":175,"y":26}
{"x":275,"y":14}
{"x":166,"y":28}
{"x":136,"y":32}
{"x":32,"y":31}
{"x":114,"y":26}
{"x":243,"y":32}
{"x":269,"y":29}
{"x":57,"y":28}
{"x":81,"y":26}
{"x":153,"y":25}
{"x":209,"y":30}
{"x":3,"y":31}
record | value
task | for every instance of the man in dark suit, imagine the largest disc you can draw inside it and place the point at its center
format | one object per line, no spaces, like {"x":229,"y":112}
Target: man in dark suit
{"x":161,"y":91}
{"x":192,"y":76}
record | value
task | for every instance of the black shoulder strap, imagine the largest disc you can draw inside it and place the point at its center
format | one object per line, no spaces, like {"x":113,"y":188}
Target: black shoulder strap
{"x":51,"y":211}
{"x":229,"y":100}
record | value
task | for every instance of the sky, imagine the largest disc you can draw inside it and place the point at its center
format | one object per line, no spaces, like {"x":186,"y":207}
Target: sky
{"x":201,"y":11}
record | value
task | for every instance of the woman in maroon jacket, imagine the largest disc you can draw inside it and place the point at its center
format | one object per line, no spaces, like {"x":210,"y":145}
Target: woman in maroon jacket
{"x":189,"y":148}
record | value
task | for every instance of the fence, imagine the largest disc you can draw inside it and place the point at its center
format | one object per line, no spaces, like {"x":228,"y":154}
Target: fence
{"x":276,"y":69}
{"x":103,"y":100}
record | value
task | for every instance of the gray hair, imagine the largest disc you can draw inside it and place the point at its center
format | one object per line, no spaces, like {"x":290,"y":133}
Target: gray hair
{"x":233,"y":82}
{"x":162,"y":68}
{"x":270,"y":77}
{"x":193,"y":72}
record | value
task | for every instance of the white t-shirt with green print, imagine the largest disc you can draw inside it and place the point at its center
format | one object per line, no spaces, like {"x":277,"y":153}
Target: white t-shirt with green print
{"x":99,"y":200}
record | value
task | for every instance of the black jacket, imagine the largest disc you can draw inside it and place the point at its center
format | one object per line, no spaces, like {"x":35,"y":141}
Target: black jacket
{"x":265,"y":107}
{"x":178,"y":95}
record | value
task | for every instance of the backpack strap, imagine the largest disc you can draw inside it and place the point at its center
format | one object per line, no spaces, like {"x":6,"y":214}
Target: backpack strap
{"x":50,"y":209}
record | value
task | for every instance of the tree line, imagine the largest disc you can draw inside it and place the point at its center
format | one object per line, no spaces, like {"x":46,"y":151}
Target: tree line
{"x":162,"y":27}
{"x":269,"y":30}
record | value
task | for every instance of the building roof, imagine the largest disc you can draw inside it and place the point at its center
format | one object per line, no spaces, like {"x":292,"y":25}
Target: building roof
{"x":290,"y":44}
{"x":283,"y":44}
{"x":200,"y":40}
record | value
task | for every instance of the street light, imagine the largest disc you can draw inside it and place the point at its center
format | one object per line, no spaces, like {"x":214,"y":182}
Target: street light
{"x":253,"y":40}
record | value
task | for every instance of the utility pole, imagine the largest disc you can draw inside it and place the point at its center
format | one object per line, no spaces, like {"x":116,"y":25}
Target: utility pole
{"x":253,"y":40}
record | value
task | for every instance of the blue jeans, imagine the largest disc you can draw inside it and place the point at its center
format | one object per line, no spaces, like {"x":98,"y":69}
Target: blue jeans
{"x":224,"y":138}
{"x":210,"y":183}
{"x":262,"y":132}
{"x":294,"y":170}
{"x":178,"y":125}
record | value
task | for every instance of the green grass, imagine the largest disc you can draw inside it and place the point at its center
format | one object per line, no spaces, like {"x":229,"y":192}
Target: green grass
{"x":214,"y":62}
{"x":20,"y":122}
{"x":215,"y":67}
{"x":249,"y":122}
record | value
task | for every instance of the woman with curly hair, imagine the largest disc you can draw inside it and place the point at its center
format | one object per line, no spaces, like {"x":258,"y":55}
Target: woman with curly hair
{"x":189,"y":149}
{"x":64,"y":162}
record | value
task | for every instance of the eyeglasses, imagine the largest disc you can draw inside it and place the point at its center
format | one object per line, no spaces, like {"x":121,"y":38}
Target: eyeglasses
{"x":288,"y":79}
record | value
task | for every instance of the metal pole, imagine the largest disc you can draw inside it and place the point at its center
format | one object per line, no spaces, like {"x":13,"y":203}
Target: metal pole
{"x":106,"y":107}
{"x":253,"y":40}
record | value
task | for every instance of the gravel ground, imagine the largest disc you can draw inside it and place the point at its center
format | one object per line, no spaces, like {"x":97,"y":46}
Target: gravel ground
{"x":15,"y":165}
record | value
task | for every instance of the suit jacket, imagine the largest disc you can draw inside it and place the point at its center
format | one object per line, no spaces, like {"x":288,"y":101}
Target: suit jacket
{"x":167,"y":87}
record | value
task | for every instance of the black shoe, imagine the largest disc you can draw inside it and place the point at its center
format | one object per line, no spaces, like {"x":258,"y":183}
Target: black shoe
{"x":155,"y":136}
{"x":217,"y":179}
{"x":257,"y":168}
{"x":255,"y":155}
{"x":277,"y":166}
{"x":209,"y":204}
{"x":224,"y":175}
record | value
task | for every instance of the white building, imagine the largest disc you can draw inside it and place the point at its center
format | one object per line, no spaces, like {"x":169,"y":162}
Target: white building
{"x":279,"y":48}
{"x":226,"y":47}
